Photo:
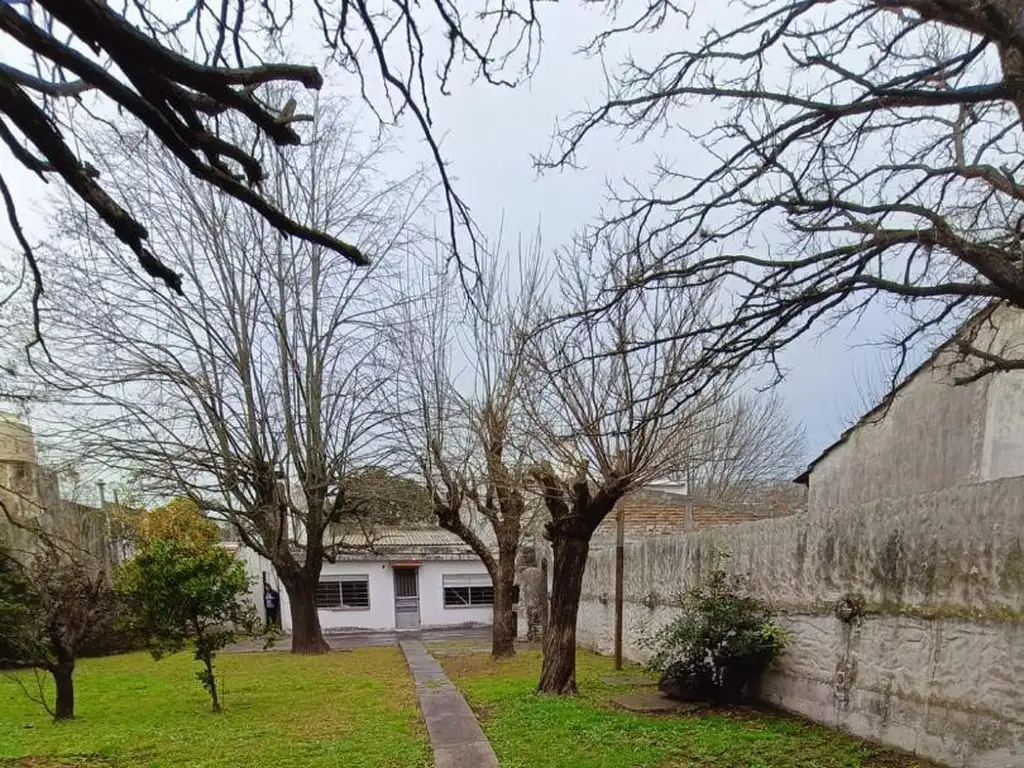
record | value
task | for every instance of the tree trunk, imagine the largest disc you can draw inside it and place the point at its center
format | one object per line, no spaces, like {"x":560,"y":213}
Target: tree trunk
{"x":212,"y":683}
{"x":558,"y":672}
{"x":63,"y":678}
{"x":503,"y":630}
{"x":306,"y":635}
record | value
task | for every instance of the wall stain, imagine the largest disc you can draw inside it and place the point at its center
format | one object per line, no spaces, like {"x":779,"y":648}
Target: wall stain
{"x":891,"y":569}
{"x":1011,"y":573}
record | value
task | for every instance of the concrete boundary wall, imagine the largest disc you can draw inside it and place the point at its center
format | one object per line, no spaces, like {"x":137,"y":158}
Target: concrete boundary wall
{"x":935,"y":662}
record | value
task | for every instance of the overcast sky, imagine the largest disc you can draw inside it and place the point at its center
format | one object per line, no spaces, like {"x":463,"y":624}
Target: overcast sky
{"x":489,"y":138}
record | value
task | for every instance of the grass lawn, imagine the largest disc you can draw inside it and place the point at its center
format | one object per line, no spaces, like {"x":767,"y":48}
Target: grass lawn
{"x":532,"y":731}
{"x":353,"y":708}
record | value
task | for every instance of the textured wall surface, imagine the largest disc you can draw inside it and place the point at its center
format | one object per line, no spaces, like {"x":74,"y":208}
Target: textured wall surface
{"x":917,"y":515}
{"x":934,"y":665}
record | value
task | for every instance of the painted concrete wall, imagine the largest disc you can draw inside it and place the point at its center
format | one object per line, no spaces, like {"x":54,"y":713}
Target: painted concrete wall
{"x":432,"y":610}
{"x":381,"y":613}
{"x":936,"y":663}
{"x":919,"y":515}
{"x":255,"y":567}
{"x":934,"y":435}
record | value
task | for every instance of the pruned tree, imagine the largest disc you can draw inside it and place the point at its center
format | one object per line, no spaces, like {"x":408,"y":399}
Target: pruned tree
{"x":609,"y":417}
{"x":256,"y":398}
{"x":858,"y":152}
{"x":460,"y":401}
{"x":177,"y":71}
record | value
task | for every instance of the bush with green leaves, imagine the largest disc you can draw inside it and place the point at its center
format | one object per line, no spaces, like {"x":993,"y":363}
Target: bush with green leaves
{"x":720,"y":643}
{"x":180,"y":595}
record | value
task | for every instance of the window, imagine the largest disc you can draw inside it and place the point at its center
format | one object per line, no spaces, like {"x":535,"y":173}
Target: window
{"x":344,"y":592}
{"x":468,"y":589}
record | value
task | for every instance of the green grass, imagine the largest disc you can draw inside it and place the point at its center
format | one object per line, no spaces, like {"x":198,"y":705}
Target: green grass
{"x":344,"y":709}
{"x":532,"y":731}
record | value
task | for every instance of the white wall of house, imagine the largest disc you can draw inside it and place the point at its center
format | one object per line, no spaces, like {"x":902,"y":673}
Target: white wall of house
{"x":255,"y":567}
{"x":380,"y":615}
{"x":433,"y":612}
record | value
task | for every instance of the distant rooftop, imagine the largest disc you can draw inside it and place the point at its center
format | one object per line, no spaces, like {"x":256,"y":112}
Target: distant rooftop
{"x":657,"y":510}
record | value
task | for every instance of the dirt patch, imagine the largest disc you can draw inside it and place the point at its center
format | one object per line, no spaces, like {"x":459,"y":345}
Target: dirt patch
{"x":468,"y":664}
{"x":57,"y":761}
{"x":652,"y":703}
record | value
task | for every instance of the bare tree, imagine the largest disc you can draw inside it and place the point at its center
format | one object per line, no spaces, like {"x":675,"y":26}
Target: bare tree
{"x":56,"y":597}
{"x":751,"y":442}
{"x":460,"y":398}
{"x":177,"y":70}
{"x":881,"y":138}
{"x":269,"y":379}
{"x":610,"y":417}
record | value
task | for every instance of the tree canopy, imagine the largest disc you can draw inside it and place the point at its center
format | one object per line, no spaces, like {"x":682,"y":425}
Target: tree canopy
{"x":845,"y":154}
{"x":178,"y":70}
{"x":179,"y":520}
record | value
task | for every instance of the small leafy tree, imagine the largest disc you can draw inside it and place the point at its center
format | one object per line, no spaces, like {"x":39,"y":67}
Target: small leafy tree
{"x":721,"y":643}
{"x":179,"y":594}
{"x":52,"y":605}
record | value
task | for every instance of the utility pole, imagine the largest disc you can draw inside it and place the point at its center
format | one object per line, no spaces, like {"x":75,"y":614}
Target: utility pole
{"x":101,"y":484}
{"x":620,"y":546}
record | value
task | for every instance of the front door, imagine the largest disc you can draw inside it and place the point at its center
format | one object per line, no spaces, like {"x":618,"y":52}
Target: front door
{"x":407,"y":598}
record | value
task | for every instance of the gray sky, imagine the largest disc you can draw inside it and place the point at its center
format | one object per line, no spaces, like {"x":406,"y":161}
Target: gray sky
{"x":489,"y":138}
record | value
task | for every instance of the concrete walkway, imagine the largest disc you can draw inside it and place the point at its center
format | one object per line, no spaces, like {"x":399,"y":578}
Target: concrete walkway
{"x":454,"y":732}
{"x":344,"y":641}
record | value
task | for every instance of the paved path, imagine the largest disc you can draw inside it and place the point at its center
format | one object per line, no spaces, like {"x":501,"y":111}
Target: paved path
{"x":350,"y":640}
{"x":454,"y":732}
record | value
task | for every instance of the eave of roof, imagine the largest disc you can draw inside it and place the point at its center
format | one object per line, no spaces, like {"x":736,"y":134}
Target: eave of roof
{"x":804,"y":477}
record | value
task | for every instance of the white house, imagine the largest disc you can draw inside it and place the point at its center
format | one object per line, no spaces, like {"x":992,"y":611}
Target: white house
{"x":399,"y":579}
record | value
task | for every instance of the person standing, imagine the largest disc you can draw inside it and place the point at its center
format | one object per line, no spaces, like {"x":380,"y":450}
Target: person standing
{"x":272,"y":604}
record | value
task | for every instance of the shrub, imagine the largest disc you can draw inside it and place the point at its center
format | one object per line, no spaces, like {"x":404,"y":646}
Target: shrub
{"x":180,"y":594}
{"x":720,"y":643}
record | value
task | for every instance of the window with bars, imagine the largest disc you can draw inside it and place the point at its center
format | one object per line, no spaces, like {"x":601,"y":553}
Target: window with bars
{"x":344,"y":592}
{"x":465,"y":590}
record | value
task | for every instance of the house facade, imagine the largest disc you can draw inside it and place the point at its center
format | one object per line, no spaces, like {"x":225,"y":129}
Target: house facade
{"x":31,"y":495}
{"x":394,"y":579}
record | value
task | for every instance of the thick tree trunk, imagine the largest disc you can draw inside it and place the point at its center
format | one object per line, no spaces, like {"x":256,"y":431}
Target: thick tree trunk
{"x":306,"y":635}
{"x":558,"y":672}
{"x":63,"y":678}
{"x":503,"y":630}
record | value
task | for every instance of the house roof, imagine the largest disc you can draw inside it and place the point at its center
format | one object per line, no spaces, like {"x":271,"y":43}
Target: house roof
{"x":392,"y":541}
{"x":804,"y":477}
{"x":402,"y":537}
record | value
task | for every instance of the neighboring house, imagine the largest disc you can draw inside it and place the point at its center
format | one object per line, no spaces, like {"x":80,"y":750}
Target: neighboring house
{"x":946,"y":425}
{"x":397,"y":578}
{"x":668,"y":509}
{"x":31,"y":496}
